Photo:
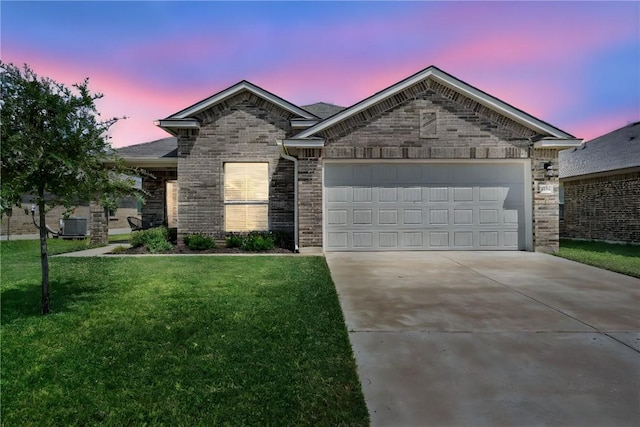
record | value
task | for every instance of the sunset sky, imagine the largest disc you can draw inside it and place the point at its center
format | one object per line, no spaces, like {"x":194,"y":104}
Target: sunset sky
{"x":575,"y":65}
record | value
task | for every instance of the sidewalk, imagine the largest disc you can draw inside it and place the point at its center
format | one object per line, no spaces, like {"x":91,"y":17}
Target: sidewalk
{"x":101,"y":251}
{"x":36,"y":236}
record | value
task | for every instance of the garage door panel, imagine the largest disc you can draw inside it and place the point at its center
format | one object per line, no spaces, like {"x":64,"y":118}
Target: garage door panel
{"x":387,"y":195}
{"x":362,"y":194}
{"x":337,"y":217}
{"x":338,"y":194}
{"x":412,"y":239}
{"x":511,"y":239}
{"x":438,"y":216}
{"x":363,"y":239}
{"x":337,"y":240}
{"x":388,"y":240}
{"x":412,"y":216}
{"x":392,"y":207}
{"x":510,"y":216}
{"x":463,"y":216}
{"x":388,"y":217}
{"x":362,"y":217}
{"x":463,"y":194}
{"x":439,"y":239}
{"x":489,"y":216}
{"x":463,"y":239}
{"x":488,"y":238}
{"x":412,"y":195}
{"x":439,"y":194}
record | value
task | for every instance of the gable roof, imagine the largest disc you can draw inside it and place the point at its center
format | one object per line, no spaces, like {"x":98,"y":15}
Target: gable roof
{"x":234,"y":90}
{"x":616,"y":150}
{"x":448,"y":80}
{"x":323,"y":110}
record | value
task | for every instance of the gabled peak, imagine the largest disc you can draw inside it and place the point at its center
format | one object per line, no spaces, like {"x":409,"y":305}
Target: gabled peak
{"x":234,"y":90}
{"x":323,"y":109}
{"x":452,"y":83}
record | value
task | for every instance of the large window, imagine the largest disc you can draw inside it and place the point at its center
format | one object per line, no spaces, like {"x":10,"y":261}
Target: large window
{"x":246,"y":196}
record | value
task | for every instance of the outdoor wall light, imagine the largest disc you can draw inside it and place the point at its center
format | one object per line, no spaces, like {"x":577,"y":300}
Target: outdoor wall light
{"x":548,"y":167}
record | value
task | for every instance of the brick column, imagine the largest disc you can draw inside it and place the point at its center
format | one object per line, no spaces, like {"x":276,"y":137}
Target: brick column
{"x":99,"y":224}
{"x":546,"y":215}
{"x":310,"y":200}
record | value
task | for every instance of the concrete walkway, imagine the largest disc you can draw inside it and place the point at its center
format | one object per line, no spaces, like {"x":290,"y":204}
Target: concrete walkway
{"x":491,"y":339}
{"x":101,"y":251}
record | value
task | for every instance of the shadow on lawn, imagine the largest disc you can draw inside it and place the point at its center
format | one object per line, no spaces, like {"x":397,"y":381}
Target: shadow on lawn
{"x":602,"y":247}
{"x":25,"y":301}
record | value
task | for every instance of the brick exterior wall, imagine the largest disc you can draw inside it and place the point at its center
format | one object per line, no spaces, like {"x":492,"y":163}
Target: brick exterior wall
{"x":310,"y":198}
{"x":603,"y":208}
{"x":463,"y":129}
{"x":155,"y":210}
{"x":244,"y":128}
{"x":99,"y":224}
{"x":546,"y":210}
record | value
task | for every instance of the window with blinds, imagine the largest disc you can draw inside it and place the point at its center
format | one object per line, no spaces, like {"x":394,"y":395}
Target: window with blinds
{"x":246,"y":196}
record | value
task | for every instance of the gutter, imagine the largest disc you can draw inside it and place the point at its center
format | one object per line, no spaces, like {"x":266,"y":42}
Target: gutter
{"x":558,"y":143}
{"x":285,"y":155}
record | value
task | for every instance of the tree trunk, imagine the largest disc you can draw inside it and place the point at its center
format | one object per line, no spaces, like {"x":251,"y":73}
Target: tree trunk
{"x":44,"y":258}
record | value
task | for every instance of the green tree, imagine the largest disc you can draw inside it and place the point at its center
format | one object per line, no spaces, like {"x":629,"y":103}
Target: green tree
{"x":54,"y":147}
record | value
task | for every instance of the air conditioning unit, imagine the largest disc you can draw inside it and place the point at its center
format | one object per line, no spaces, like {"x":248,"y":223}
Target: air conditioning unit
{"x":73,"y":227}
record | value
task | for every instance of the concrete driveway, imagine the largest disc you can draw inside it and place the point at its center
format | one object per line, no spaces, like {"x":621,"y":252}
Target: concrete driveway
{"x":491,"y":338}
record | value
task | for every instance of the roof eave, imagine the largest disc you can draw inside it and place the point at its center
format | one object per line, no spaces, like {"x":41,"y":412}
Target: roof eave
{"x":170,"y":124}
{"x":303,"y":142}
{"x":558,"y":143}
{"x":148,"y":162}
{"x":303,"y":123}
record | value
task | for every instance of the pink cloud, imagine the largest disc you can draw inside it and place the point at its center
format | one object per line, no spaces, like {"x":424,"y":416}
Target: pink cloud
{"x":589,"y":129}
{"x":123,"y":96}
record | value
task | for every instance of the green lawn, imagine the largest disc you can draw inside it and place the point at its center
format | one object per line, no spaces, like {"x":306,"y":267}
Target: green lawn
{"x":623,"y":259}
{"x":174,"y":341}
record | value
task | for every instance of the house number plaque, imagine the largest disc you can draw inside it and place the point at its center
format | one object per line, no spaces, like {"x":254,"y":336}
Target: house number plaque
{"x":546,"y":188}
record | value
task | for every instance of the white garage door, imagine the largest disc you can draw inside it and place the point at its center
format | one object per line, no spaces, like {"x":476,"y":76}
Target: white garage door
{"x":436,"y":206}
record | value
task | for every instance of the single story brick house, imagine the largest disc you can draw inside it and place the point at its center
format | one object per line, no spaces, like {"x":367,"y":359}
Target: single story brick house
{"x":429,"y":163}
{"x":601,"y":185}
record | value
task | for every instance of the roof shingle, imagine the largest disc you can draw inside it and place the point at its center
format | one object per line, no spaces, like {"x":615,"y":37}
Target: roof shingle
{"x":619,"y":149}
{"x":322,"y":109}
{"x":166,"y":147}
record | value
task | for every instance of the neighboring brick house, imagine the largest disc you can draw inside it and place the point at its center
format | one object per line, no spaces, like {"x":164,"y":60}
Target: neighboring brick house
{"x":430,"y":163}
{"x":21,"y":221}
{"x":601,"y":185}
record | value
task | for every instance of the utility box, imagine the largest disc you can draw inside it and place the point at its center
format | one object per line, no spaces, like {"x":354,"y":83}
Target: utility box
{"x":73,"y":228}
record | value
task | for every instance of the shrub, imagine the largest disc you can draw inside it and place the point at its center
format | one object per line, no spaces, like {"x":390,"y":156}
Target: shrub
{"x":136,"y":239}
{"x":258,"y":241}
{"x":199,"y":242}
{"x":119,"y":249}
{"x":154,"y":239}
{"x":284,"y":240}
{"x":234,"y":241}
{"x":173,"y":235}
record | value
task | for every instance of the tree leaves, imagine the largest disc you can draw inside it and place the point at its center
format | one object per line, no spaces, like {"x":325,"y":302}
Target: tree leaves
{"x":52,"y":137}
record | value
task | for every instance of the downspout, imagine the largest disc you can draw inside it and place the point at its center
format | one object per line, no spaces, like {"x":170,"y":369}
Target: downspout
{"x":285,"y":155}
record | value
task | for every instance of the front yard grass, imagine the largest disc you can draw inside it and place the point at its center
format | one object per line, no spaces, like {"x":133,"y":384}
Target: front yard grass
{"x":174,"y":341}
{"x":623,"y":259}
